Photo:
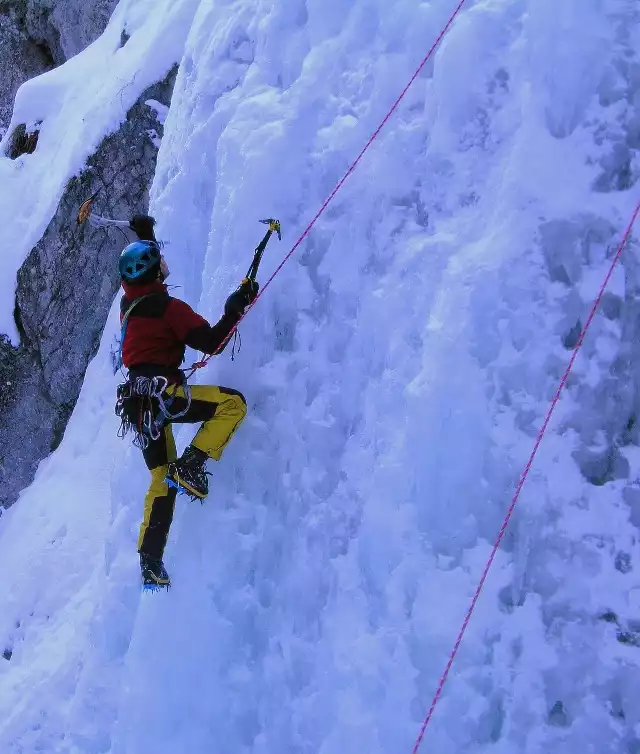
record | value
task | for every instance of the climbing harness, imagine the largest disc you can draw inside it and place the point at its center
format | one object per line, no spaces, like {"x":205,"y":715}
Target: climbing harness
{"x":143,"y":405}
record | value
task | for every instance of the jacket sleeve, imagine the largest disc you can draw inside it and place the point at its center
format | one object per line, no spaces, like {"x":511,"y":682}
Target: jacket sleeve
{"x":195,"y":331}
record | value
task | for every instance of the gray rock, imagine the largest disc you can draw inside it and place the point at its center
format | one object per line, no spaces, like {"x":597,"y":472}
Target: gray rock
{"x":65,"y":289}
{"x":21,"y":58}
{"x":38,"y":35}
{"x":67,"y":26}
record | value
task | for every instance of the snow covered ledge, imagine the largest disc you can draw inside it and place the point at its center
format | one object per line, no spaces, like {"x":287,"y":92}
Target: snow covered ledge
{"x":94,"y":131}
{"x":65,"y":289}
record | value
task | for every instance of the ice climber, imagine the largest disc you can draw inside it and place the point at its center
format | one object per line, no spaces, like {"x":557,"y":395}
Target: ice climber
{"x":156,"y":328}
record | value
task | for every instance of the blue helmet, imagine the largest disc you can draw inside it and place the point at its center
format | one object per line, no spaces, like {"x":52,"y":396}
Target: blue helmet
{"x":139,"y":261}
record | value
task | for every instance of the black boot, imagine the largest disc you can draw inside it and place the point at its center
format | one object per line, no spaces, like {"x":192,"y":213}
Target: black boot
{"x":189,"y":474}
{"x":154,"y":574}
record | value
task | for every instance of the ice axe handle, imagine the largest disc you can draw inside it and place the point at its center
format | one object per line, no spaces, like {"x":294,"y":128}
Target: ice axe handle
{"x":274,"y":227}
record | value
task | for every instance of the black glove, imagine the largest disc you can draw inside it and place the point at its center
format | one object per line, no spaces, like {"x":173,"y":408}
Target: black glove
{"x":142,"y":226}
{"x":240,"y":299}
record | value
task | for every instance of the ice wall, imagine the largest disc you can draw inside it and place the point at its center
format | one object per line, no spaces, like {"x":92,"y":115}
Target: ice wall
{"x":396,"y":372}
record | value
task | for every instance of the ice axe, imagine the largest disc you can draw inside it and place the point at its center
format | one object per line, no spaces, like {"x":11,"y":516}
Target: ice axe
{"x":85,"y":208}
{"x":274,"y":227}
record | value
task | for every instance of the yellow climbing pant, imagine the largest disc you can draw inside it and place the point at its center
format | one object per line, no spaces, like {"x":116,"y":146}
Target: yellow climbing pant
{"x":221,"y":410}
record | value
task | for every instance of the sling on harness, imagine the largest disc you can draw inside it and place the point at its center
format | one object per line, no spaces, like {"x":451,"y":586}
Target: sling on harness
{"x":123,"y":327}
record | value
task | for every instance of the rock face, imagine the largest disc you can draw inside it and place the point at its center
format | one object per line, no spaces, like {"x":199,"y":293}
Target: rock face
{"x":21,"y":58}
{"x":67,"y":283}
{"x":67,"y":26}
{"x":37,"y":35}
{"x":65,"y":289}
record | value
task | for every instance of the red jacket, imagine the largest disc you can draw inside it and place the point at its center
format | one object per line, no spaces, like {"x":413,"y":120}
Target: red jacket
{"x":160,"y":327}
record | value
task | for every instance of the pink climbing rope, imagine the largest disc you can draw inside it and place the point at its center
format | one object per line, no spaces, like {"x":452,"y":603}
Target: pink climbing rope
{"x":341,"y":182}
{"x":523,"y":478}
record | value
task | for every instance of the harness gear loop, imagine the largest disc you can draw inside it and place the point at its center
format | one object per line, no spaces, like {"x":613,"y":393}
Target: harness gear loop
{"x":143,"y":404}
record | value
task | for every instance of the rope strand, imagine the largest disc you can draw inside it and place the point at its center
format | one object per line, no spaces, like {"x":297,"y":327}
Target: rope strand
{"x":341,"y":182}
{"x":523,"y":479}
